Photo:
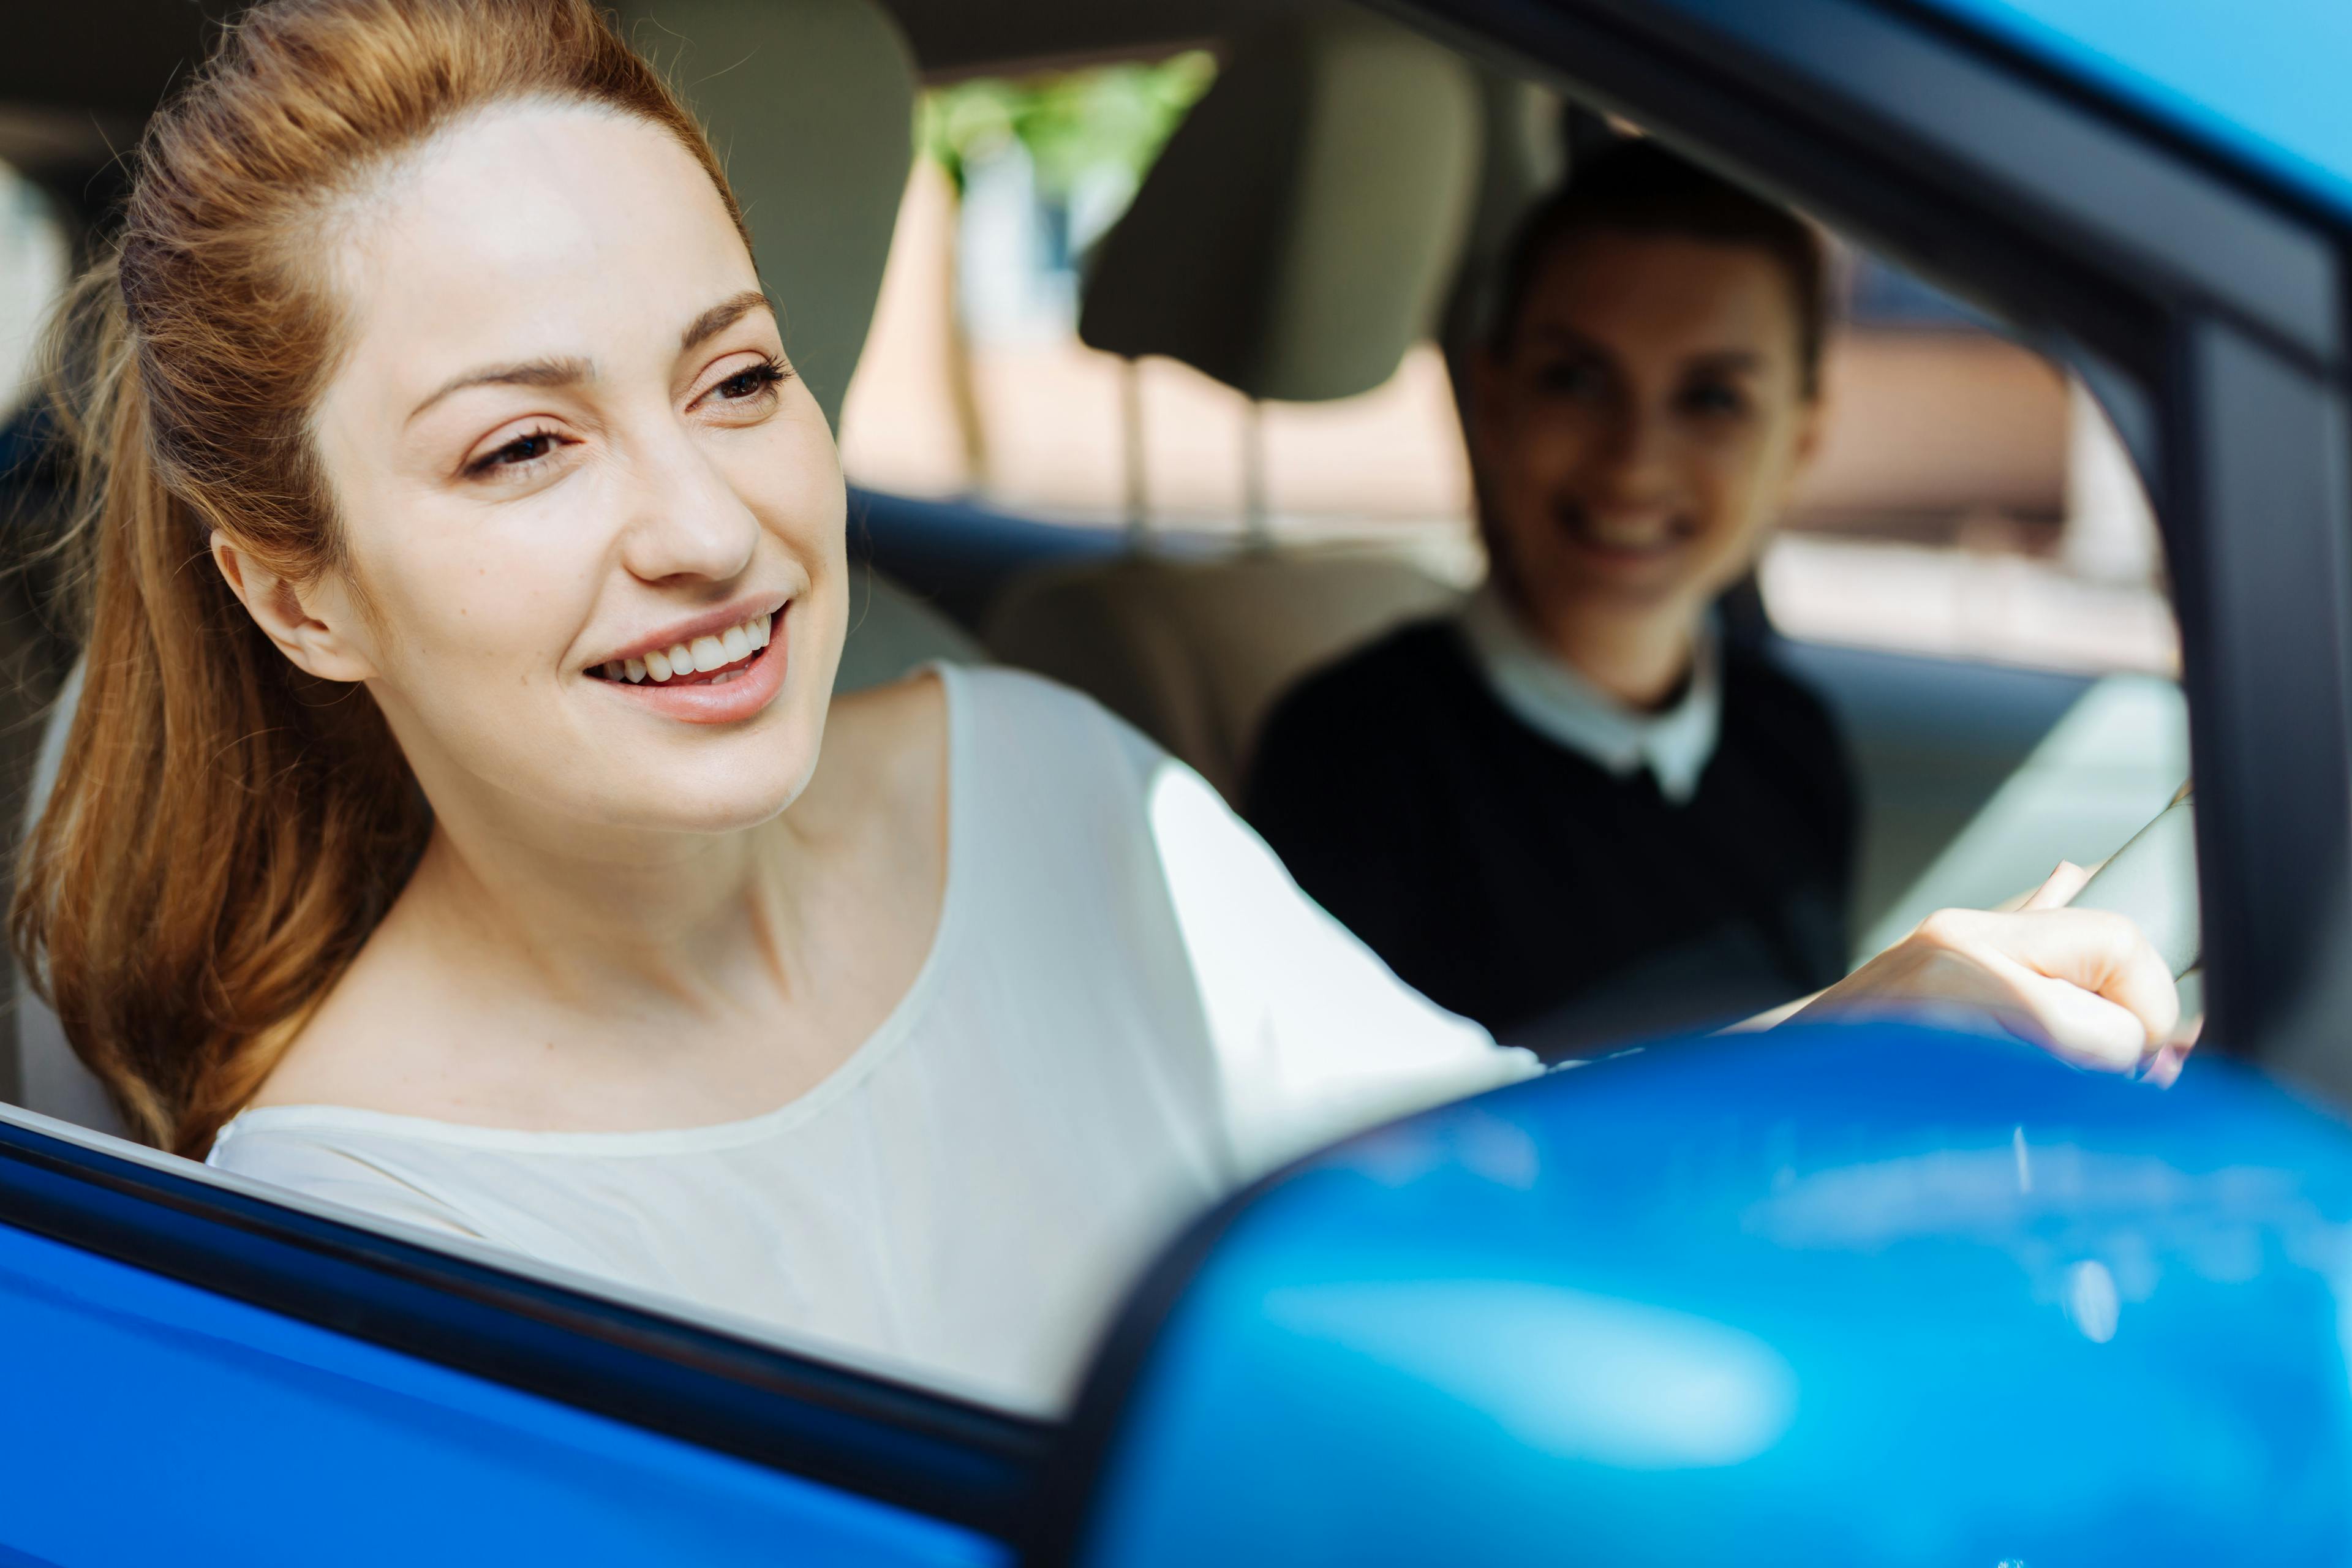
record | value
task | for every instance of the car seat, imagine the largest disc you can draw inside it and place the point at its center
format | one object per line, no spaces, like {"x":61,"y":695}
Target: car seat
{"x":1299,"y":233}
{"x":811,"y":109}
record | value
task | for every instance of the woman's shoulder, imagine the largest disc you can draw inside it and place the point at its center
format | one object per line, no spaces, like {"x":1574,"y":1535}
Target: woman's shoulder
{"x":1761,"y":692}
{"x":333,"y":1156}
{"x":1412,"y":668}
{"x":1777,"y":720}
{"x":933,"y":693}
{"x":1018,"y":755}
{"x":1024,"y":698}
{"x":1421,"y":659}
{"x":1026,"y":722}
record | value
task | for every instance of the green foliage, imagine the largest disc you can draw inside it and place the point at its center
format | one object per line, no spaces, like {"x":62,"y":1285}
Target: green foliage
{"x":1070,"y":122}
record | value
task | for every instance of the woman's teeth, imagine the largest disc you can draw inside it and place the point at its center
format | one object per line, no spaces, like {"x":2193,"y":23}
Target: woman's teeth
{"x":701,"y":656}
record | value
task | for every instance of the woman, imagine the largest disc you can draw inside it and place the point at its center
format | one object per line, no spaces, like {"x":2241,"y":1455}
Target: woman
{"x":456,"y":842}
{"x":1577,"y":810}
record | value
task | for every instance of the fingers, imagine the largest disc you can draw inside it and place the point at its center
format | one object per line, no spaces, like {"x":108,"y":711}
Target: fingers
{"x":2164,"y":1067}
{"x":2083,"y":983}
{"x":2056,"y":891}
{"x":2100,"y":954}
{"x":2077,"y":1024}
{"x":2059,"y":890}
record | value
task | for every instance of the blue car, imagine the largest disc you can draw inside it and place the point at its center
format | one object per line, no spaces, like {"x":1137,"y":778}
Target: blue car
{"x":1871,"y":1293}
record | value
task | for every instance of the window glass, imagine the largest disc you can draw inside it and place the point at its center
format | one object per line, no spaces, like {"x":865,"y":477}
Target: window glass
{"x":974,"y":383}
{"x":33,"y":261}
{"x":1970,"y":500}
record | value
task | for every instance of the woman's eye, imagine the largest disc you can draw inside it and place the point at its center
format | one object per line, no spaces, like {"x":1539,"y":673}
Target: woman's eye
{"x":1572,"y":378}
{"x":753,"y":381}
{"x":1713,"y":398}
{"x":518,"y":453}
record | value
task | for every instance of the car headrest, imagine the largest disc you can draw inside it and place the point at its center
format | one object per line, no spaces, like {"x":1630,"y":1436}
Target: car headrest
{"x":1298,"y":232}
{"x":811,"y":107}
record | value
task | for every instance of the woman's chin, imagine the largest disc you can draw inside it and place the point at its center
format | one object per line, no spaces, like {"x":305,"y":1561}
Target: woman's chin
{"x":723,"y":807}
{"x":1619,"y":594}
{"x":704,"y":782}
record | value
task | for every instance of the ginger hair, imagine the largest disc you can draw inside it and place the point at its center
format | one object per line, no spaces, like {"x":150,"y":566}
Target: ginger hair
{"x":225,"y":831}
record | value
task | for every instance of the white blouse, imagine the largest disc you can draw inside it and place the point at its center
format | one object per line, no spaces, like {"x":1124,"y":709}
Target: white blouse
{"x":1127,"y":1010}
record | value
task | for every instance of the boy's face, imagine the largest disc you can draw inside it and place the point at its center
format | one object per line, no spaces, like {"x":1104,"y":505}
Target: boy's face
{"x":1644,"y":426}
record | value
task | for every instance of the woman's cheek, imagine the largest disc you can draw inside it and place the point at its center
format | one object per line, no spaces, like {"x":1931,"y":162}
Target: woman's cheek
{"x":1550,"y":450}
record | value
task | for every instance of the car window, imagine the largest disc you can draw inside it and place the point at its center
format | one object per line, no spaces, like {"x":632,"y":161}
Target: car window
{"x":1974,"y":510}
{"x":1969,"y":580}
{"x":976,"y":384}
{"x":1972,"y":500}
{"x":33,"y":263}
{"x":1971,"y":523}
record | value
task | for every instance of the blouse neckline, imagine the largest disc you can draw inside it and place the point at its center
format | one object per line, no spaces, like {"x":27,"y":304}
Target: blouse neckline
{"x":860,"y":1064}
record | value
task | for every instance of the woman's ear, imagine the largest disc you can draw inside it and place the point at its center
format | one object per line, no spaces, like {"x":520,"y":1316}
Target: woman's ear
{"x":309,"y":626}
{"x":1813,"y":424}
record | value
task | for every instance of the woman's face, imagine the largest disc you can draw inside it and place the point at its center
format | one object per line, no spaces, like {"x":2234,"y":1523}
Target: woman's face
{"x":562,"y":443}
{"x":1644,"y":426}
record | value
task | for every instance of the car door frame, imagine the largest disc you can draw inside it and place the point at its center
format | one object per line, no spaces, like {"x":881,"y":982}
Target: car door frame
{"x":915,"y":1448}
{"x":2228,"y":386}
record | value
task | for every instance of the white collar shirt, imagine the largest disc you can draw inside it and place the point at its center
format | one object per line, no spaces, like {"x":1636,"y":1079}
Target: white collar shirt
{"x":1545,"y":693}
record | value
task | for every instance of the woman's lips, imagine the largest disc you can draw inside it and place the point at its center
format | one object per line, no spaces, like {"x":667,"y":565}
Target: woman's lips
{"x":1629,"y":543}
{"x":726,"y":695}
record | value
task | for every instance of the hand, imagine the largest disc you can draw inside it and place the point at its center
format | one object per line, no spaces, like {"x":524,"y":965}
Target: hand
{"x":2081,"y":983}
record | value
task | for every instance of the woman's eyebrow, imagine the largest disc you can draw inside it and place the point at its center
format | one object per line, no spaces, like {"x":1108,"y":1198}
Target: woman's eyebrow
{"x":572,"y":372}
{"x":721,"y":316}
{"x":528,"y":373}
{"x":1732,"y":362}
{"x":1554,"y":333}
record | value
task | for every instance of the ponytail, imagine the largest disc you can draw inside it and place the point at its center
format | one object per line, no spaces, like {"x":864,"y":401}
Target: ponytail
{"x":225,"y":831}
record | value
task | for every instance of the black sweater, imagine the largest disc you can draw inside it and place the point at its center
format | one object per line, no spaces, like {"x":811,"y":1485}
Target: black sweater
{"x":1511,"y":880}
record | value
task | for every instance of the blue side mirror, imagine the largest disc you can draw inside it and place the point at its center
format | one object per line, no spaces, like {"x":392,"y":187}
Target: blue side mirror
{"x":1862,"y":1295}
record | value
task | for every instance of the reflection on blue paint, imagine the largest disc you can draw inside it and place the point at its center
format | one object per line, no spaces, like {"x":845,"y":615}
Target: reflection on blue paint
{"x":1676,"y":1392}
{"x":1865,"y":1295}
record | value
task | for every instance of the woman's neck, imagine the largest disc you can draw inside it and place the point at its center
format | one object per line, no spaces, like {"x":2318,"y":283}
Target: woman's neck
{"x":1641,"y":657}
{"x":609,"y":918}
{"x":566,"y":976}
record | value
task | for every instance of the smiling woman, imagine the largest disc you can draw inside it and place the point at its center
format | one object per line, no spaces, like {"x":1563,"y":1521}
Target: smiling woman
{"x":474,"y":842}
{"x":1642,"y":824}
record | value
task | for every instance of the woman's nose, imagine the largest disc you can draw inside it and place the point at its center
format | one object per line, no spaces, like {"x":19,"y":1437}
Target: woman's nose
{"x":1635,"y":455}
{"x":686,"y":520}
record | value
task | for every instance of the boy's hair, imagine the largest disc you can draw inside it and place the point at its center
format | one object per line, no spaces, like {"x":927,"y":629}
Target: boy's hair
{"x":1637,"y":186}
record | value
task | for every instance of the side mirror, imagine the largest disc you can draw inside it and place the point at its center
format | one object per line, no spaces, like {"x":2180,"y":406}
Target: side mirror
{"x":1865,"y":1294}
